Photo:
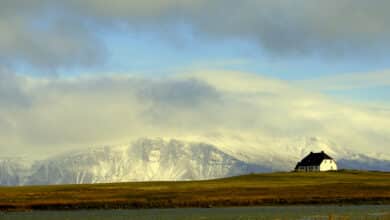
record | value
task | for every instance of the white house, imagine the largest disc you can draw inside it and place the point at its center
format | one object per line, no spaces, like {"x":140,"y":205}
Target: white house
{"x":315,"y":162}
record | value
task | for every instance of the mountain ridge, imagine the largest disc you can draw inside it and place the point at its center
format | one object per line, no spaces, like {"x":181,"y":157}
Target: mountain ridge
{"x":161,"y":159}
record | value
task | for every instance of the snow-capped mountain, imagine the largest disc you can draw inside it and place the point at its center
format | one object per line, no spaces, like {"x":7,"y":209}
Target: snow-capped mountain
{"x":13,"y":171}
{"x":159,"y":159}
{"x":144,"y":160}
{"x":363,"y":162}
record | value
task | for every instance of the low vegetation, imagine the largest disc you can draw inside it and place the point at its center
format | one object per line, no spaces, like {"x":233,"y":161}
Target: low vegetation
{"x":343,"y":187}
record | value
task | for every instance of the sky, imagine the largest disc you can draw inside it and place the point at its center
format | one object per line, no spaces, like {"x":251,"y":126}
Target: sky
{"x":76,"y":74}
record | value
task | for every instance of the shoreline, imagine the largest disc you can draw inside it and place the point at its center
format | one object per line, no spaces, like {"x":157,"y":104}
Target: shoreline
{"x":105,"y":206}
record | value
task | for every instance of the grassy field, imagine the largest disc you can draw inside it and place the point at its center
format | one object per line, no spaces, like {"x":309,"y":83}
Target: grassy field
{"x":345,"y":187}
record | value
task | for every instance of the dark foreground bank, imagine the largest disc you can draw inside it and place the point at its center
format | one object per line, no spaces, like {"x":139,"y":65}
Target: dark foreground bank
{"x":341,"y":188}
{"x":350,"y":212}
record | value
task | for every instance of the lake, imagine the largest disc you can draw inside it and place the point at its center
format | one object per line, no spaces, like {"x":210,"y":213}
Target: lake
{"x":379,"y":212}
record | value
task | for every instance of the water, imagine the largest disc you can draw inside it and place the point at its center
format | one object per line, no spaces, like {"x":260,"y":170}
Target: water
{"x":246,"y":213}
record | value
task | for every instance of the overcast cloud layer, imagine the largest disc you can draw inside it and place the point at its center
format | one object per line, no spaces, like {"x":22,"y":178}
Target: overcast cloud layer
{"x":40,"y":116}
{"x":49,"y":34}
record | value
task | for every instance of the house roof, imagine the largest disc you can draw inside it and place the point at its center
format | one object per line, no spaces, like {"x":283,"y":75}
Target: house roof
{"x":314,"y":159}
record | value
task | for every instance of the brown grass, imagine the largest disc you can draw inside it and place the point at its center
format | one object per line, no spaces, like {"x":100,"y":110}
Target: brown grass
{"x":347,"y":187}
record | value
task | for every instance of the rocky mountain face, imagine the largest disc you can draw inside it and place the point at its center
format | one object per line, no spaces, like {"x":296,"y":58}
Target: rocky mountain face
{"x":145,"y":160}
{"x":13,"y":171}
{"x":158,"y":159}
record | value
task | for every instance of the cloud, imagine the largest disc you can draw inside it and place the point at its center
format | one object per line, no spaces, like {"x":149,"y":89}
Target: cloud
{"x":11,"y":93}
{"x":34,"y":35}
{"x":51,"y":33}
{"x":73,"y":113}
{"x":349,"y":81}
{"x":172,"y":93}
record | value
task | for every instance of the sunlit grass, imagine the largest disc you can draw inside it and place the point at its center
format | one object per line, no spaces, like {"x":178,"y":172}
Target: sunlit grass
{"x":345,"y":187}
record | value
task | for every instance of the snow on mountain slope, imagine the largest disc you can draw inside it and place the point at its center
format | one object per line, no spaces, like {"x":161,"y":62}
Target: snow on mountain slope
{"x":170,"y":159}
{"x":280,"y":153}
{"x":363,"y":162}
{"x":13,"y":171}
{"x":145,"y":160}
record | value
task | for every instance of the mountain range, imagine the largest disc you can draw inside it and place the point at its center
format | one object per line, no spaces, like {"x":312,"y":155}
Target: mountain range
{"x":157,"y":159}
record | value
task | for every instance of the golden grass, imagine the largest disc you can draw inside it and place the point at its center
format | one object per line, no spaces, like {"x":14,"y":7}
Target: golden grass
{"x":345,"y":187}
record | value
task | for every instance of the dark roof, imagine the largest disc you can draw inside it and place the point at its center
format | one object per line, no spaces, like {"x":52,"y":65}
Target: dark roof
{"x":313,"y":159}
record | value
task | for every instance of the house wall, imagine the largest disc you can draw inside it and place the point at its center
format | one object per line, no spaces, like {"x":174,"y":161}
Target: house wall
{"x":308,"y":168}
{"x":327,"y":165}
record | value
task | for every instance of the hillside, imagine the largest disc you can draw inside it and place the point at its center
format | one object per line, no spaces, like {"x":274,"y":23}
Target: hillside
{"x":345,"y":187}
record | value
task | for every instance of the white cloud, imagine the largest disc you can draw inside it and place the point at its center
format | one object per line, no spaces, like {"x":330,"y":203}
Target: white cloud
{"x":79,"y":112}
{"x":348,"y":81}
